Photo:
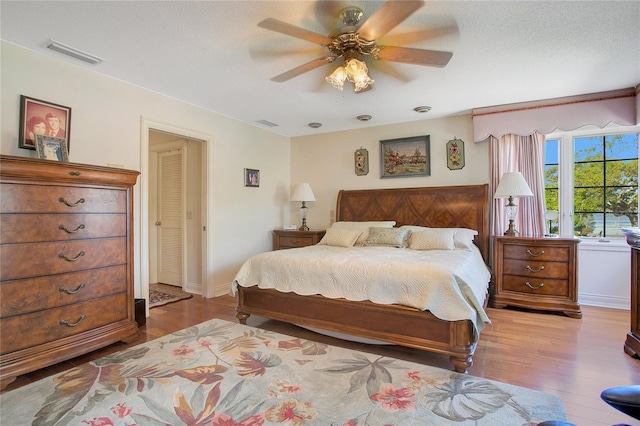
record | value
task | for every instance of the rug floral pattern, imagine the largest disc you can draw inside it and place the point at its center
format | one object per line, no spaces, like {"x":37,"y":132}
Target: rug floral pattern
{"x":225,"y":374}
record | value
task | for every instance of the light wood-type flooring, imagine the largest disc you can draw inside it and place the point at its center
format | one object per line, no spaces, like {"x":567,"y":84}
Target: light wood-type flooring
{"x":574,"y":359}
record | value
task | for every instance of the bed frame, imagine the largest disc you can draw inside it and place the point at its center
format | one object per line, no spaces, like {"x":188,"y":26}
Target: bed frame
{"x":447,"y":207}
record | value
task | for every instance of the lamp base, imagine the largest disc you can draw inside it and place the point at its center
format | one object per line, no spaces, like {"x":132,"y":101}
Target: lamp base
{"x":304,"y":226}
{"x":511,"y":231}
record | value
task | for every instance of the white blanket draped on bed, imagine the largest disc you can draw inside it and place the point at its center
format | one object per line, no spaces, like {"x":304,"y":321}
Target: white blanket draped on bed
{"x":452,"y":284}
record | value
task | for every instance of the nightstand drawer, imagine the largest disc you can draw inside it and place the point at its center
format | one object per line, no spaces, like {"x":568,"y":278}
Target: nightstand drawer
{"x":536,"y":252}
{"x":284,"y":239}
{"x":292,"y":242}
{"x":547,"y":286}
{"x":536,"y":269}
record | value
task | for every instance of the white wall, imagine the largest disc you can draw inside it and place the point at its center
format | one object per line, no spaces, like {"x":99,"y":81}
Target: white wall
{"x":326,"y":161}
{"x":106,"y":128}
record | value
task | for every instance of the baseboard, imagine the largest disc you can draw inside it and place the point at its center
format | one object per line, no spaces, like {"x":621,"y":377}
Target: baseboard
{"x":604,"y":301}
{"x":194,"y":288}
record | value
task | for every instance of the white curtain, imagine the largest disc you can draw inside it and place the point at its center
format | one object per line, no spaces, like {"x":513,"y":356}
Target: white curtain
{"x":524,"y":154}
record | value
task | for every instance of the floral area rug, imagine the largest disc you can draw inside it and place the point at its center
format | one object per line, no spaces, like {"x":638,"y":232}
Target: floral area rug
{"x":222,"y":373}
{"x":159,"y":296}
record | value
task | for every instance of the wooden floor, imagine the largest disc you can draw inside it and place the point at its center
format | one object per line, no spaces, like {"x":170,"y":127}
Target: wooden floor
{"x":574,"y":359}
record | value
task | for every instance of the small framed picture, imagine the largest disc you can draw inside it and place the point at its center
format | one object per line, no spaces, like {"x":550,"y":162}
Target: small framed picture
{"x":42,"y":118}
{"x":51,"y":148}
{"x":252,"y":177}
{"x":405,"y":157}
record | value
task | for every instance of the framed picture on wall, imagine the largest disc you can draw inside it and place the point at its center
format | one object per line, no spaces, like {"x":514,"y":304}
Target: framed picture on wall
{"x":252,"y":177}
{"x":51,"y":148}
{"x":39,"y":117}
{"x":405,"y":157}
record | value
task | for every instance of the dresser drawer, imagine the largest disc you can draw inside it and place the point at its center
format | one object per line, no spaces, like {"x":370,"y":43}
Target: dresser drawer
{"x":30,"y":228}
{"x":17,"y":198}
{"x":536,"y":269}
{"x":24,"y":331}
{"x":36,"y":294}
{"x":534,"y":252}
{"x":547,"y":286}
{"x":39,"y":259}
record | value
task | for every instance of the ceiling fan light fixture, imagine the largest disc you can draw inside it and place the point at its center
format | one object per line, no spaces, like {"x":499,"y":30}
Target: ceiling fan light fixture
{"x":337,"y":78}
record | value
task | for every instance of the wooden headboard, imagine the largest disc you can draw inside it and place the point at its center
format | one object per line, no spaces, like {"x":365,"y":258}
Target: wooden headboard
{"x":437,"y":207}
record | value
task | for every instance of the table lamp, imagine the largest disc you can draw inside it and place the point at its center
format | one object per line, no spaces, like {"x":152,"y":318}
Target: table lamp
{"x":303,"y":193}
{"x":511,"y":185}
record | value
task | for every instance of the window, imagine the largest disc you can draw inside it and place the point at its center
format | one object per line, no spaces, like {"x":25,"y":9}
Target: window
{"x":593,"y":181}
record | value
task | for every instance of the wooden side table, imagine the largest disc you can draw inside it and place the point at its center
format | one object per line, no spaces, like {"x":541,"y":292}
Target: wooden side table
{"x":283,"y":239}
{"x":632,"y":344}
{"x":536,"y":273}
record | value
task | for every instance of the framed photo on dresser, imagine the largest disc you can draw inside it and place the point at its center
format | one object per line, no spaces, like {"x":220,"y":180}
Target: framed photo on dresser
{"x":39,"y":117}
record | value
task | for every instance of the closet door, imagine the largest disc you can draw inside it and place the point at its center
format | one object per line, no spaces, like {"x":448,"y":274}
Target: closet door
{"x":170,"y":221}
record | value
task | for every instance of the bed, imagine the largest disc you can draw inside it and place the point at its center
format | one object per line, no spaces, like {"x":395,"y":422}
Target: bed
{"x":434,"y":207}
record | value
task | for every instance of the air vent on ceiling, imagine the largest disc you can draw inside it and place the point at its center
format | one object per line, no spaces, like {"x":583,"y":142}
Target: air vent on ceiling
{"x":73,"y":52}
{"x":267,"y":123}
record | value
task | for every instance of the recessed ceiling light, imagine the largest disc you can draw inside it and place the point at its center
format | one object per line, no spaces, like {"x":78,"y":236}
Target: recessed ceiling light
{"x":314,"y":125}
{"x":422,"y":109}
{"x":364,"y":117}
{"x":73,"y":52}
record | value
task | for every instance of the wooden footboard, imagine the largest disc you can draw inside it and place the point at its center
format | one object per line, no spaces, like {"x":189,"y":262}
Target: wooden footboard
{"x":396,"y":324}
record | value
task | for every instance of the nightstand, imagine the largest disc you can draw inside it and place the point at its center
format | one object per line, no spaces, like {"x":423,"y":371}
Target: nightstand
{"x":283,"y":239}
{"x":536,"y":273}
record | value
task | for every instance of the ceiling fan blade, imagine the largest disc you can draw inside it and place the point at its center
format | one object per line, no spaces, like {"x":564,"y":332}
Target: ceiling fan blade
{"x":418,"y":36}
{"x":432,"y":58}
{"x":303,"y":68}
{"x":383,"y":20}
{"x":293,"y":31}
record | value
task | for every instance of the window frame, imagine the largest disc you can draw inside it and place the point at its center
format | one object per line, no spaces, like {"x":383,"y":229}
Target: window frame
{"x":565,"y":173}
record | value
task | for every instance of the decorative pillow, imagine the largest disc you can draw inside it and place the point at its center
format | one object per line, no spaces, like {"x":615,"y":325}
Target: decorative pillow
{"x":339,"y":237}
{"x":363,"y":227}
{"x":432,"y":239}
{"x":386,"y":237}
{"x":463,"y":237}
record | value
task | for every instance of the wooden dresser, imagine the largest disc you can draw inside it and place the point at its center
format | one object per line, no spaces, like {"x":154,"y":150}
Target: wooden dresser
{"x":632,"y":344}
{"x":536,"y":273}
{"x":66,"y":259}
{"x":291,"y":239}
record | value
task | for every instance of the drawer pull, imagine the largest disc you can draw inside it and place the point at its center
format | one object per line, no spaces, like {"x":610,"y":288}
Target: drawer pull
{"x":64,"y":290}
{"x":68,"y":231}
{"x":62,"y":200}
{"x":536,"y":269}
{"x":530,"y":253}
{"x":532,"y":287}
{"x":74,"y":173}
{"x":73,"y":324}
{"x":71,"y":259}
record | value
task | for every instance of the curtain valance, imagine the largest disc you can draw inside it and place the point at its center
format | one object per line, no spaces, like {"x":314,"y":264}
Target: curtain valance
{"x":545,"y":116}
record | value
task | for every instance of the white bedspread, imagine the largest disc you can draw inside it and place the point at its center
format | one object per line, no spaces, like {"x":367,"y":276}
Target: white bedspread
{"x":452,"y":284}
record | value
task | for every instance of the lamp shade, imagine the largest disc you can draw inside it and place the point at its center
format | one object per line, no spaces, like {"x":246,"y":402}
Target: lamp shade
{"x":512,"y":184}
{"x":303,"y":192}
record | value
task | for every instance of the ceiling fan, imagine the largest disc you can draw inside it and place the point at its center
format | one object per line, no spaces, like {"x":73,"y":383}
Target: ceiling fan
{"x":355,"y":40}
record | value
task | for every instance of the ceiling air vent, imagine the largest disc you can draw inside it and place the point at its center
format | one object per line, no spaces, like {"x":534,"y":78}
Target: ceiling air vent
{"x":267,"y":123}
{"x":73,"y":52}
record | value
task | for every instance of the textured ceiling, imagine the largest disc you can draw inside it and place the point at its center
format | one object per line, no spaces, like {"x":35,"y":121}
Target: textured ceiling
{"x":213,"y":54}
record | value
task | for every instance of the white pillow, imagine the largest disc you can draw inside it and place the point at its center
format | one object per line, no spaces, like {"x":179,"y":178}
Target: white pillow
{"x":394,"y":237}
{"x":463,"y":237}
{"x":339,"y":237}
{"x":432,"y":239}
{"x":363,"y":227}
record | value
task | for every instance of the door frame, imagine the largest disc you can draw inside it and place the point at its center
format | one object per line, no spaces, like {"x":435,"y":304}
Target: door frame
{"x":146,"y":124}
